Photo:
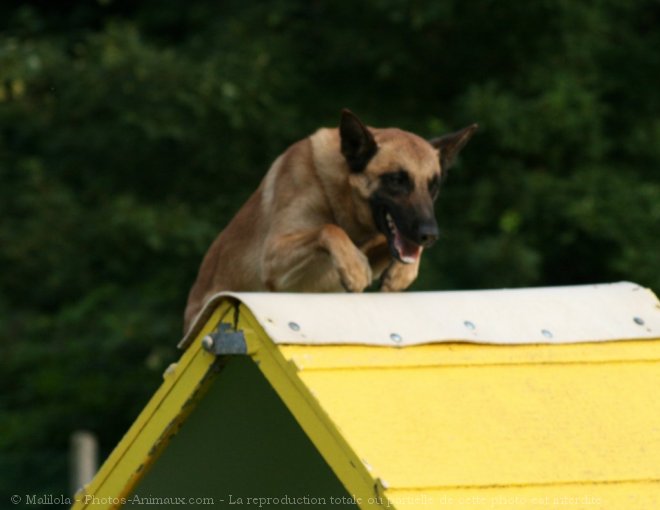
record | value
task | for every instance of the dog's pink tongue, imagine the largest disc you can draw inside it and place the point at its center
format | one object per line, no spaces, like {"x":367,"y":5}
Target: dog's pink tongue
{"x":409,"y":252}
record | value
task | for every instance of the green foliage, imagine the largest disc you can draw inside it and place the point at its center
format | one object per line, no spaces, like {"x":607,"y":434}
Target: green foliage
{"x":131,"y":132}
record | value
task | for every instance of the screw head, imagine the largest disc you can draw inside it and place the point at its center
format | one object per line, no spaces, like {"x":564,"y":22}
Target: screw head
{"x":546,"y":333}
{"x":638,"y":320}
{"x":294,"y":326}
{"x":470,"y":325}
{"x":396,"y":338}
{"x":207,"y":342}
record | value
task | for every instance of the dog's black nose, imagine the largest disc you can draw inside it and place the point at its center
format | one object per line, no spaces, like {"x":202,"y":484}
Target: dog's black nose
{"x":427,"y":234}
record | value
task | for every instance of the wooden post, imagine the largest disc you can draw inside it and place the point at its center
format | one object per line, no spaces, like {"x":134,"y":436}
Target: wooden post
{"x":83,"y":459}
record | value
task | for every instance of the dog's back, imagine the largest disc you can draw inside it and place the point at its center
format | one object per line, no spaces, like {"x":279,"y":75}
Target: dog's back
{"x":235,"y":258}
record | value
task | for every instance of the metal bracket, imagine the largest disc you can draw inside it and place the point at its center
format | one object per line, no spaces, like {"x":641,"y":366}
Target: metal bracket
{"x":225,"y":340}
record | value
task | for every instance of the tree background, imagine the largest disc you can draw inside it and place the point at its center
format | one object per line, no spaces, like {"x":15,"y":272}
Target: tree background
{"x":130,"y":132}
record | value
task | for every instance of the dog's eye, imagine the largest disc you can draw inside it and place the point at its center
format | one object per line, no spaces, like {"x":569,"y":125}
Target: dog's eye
{"x":434,"y":186}
{"x":397,"y":181}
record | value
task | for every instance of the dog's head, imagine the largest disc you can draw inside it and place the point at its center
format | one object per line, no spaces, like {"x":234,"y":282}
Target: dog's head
{"x":399,"y":174}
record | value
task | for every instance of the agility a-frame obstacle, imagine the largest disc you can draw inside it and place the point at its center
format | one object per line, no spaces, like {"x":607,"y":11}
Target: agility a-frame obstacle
{"x":519,"y":398}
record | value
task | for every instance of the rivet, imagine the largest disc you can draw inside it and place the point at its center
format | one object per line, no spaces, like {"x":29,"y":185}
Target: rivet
{"x":469,"y":325}
{"x":546,"y":333}
{"x":638,"y":320}
{"x":294,"y":326}
{"x":207,"y":342}
{"x":396,"y":338}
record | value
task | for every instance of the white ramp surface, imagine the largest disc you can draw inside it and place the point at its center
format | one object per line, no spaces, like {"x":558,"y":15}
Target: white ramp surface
{"x":544,"y":315}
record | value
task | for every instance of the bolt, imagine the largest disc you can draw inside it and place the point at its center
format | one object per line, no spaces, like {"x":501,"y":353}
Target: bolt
{"x":207,"y":342}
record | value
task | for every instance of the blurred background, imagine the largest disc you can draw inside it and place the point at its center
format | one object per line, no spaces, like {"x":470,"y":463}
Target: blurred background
{"x":130,"y":132}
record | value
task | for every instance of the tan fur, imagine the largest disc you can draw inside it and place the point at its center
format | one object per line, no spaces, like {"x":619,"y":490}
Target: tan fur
{"x":309,"y":227}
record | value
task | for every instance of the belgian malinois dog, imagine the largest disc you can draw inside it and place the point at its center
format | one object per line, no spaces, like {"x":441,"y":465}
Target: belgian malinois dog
{"x":335,"y":212}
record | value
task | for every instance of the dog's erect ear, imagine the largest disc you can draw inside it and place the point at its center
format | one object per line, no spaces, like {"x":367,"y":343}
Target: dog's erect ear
{"x":357,"y":143}
{"x":450,"y":145}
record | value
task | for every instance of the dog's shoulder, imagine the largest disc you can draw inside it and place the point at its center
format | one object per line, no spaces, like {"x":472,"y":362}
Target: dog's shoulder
{"x":293,"y":182}
{"x":329,"y":163}
{"x":325,"y":140}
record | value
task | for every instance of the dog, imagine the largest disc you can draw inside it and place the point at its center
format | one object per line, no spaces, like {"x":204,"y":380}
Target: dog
{"x":335,"y":212}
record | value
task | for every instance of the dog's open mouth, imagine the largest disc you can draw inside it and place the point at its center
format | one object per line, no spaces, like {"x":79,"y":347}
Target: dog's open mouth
{"x":402,"y":249}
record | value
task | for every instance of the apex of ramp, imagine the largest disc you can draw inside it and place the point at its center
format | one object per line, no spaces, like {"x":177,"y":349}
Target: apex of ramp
{"x":543,"y":315}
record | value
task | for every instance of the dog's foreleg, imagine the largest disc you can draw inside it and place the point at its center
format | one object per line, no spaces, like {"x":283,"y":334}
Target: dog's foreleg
{"x":395,"y":275}
{"x":399,"y":276}
{"x":288,"y":257}
{"x":377,"y":251}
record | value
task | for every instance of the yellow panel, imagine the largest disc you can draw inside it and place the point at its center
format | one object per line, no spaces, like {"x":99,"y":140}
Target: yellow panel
{"x":354,"y":356}
{"x":617,"y":496}
{"x":494,"y":425}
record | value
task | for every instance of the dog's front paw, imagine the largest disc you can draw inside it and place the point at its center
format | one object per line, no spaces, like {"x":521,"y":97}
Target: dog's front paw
{"x":355,"y":273}
{"x":399,"y":276}
{"x":351,"y":264}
